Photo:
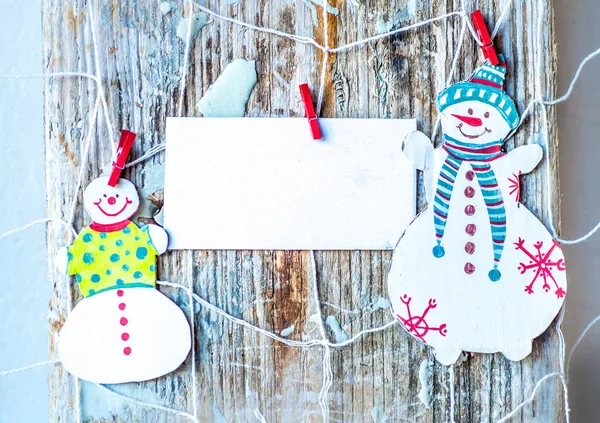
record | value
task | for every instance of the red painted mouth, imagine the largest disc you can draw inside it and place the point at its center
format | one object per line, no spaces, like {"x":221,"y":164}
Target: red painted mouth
{"x":472,"y":137}
{"x":127,"y":202}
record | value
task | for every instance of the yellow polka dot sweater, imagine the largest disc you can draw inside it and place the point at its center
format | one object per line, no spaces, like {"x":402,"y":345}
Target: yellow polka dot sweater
{"x":107,"y":260}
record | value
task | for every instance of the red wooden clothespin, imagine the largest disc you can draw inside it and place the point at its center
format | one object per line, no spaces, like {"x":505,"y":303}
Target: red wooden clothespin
{"x":313,"y":122}
{"x":488,"y":46}
{"x":123,"y":150}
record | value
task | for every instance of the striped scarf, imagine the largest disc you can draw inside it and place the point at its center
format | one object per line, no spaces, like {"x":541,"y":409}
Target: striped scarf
{"x":478,"y":157}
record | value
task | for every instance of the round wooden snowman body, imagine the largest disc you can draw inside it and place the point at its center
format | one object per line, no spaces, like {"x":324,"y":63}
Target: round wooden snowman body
{"x":124,"y":330}
{"x":476,"y":271}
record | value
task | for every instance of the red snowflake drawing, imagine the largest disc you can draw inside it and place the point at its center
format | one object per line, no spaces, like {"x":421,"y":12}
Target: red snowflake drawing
{"x":514,"y":186}
{"x":417,"y":325}
{"x":542,"y":265}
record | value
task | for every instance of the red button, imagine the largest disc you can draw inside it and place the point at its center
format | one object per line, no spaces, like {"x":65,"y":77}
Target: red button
{"x":471,"y":229}
{"x":469,"y":248}
{"x":469,"y":268}
{"x":469,"y":192}
{"x":123,"y":321}
{"x":122,"y":306}
{"x":124,"y":336}
{"x":470,"y":210}
{"x":120,"y":292}
{"x":127,"y":351}
{"x":470,"y":175}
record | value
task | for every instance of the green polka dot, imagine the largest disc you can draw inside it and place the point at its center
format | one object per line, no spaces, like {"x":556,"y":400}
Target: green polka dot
{"x":141,"y":253}
{"x":108,"y":272}
{"x":78,"y":277}
{"x":126,"y":230}
{"x":91,"y":292}
{"x":137,"y":274}
{"x":103,"y":235}
{"x":114,"y":258}
{"x":152,"y":268}
{"x":137,"y":238}
{"x":119,"y":242}
{"x":102,"y":248}
{"x":88,"y":237}
{"x":69,"y":256}
{"x":127,"y":252}
{"x":95,"y":278}
{"x":125,"y":267}
{"x":88,"y":258}
{"x":120,"y":282}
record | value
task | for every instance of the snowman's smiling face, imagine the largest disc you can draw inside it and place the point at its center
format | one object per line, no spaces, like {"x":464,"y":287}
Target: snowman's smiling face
{"x":106,"y":204}
{"x":474,"y":122}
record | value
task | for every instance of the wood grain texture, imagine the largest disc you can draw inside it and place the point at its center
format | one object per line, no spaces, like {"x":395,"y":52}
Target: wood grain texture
{"x":239,"y":371}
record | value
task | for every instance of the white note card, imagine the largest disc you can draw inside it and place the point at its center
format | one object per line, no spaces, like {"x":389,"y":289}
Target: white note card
{"x":265,"y":184}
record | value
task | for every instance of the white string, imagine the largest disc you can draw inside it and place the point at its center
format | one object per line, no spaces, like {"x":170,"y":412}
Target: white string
{"x":84,"y":160}
{"x":72,"y":232}
{"x":532,"y":396}
{"x":145,"y":403}
{"x":451,"y":383}
{"x":501,"y":18}
{"x":583,"y":334}
{"x":259,"y":416}
{"x":31,"y":366}
{"x":327,"y":372}
{"x":109,"y":126}
{"x":453,"y":67}
{"x":186,"y":54}
{"x":325,"y":343}
{"x":325,"y":58}
{"x":190,"y":258}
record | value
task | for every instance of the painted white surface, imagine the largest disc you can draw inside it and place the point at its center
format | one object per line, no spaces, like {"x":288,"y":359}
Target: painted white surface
{"x":255,"y":183}
{"x":453,"y":310}
{"x":25,"y":290}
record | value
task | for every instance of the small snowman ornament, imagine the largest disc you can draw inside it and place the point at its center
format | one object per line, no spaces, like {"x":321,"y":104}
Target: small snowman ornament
{"x":124,"y":330}
{"x":476,"y":271}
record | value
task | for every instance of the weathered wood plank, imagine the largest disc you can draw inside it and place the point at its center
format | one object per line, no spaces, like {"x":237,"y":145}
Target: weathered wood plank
{"x":239,"y":371}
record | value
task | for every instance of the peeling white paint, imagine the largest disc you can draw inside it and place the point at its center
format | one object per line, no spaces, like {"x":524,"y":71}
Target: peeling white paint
{"x":379,"y":415}
{"x":425,"y":378}
{"x":288,"y":331}
{"x":380,"y":304}
{"x":199,"y":20}
{"x":165,"y":7}
{"x":228,"y":96}
{"x":313,"y":10}
{"x":338,"y":332}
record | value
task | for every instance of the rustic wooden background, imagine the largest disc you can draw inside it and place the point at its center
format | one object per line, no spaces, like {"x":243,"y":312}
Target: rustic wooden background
{"x":376,"y":378}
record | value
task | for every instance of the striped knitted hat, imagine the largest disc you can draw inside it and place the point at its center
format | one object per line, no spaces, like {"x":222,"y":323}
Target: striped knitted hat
{"x":486,"y":86}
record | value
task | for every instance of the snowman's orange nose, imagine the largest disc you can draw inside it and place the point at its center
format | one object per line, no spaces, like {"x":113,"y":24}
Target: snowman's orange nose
{"x":112,"y":200}
{"x":472,"y":121}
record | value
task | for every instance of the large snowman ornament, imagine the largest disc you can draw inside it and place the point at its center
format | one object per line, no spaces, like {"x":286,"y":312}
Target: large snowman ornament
{"x":476,"y":271}
{"x":124,"y":330}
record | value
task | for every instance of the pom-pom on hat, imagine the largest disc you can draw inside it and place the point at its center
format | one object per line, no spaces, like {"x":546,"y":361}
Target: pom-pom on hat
{"x":486,"y":85}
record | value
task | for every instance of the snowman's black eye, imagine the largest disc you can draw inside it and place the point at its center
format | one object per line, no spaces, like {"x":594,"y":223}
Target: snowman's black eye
{"x":470,"y":111}
{"x":117,"y":195}
{"x":104,"y":195}
{"x":487,"y":115}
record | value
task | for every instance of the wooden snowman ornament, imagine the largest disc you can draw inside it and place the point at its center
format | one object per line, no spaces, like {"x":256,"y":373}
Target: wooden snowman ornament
{"x":476,"y":271}
{"x":124,"y":330}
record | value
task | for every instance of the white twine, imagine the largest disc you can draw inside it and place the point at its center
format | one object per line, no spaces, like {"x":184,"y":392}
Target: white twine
{"x":31,"y":366}
{"x":451,"y":385}
{"x":186,"y":54}
{"x":259,"y":416}
{"x":190,"y":290}
{"x":146,"y":403}
{"x":324,"y":342}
